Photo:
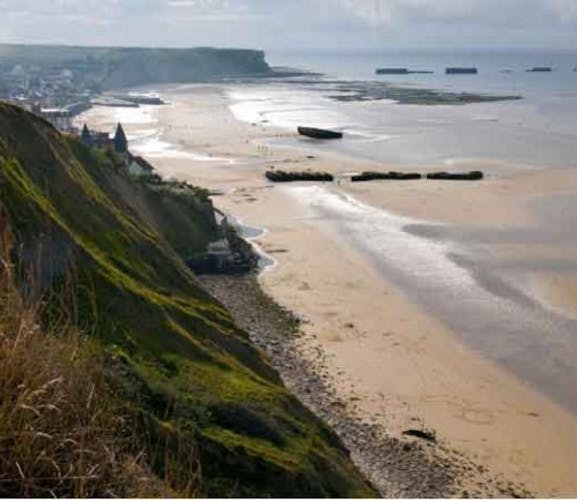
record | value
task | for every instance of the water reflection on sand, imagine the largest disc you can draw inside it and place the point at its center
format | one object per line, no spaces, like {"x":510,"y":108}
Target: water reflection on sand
{"x":454,"y":273}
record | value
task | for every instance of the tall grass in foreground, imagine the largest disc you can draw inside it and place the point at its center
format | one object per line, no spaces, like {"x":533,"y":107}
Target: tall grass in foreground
{"x":62,"y":430}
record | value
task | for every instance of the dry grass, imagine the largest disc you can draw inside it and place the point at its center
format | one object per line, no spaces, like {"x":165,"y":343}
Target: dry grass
{"x":63,"y":433}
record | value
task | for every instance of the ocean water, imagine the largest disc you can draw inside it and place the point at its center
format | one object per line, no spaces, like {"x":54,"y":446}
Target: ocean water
{"x":499,"y":71}
{"x":539,"y":130}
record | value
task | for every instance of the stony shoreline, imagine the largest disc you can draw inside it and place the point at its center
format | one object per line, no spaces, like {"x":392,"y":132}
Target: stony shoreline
{"x":398,"y":467}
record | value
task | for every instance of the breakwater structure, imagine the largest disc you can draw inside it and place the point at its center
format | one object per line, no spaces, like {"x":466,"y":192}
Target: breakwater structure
{"x":461,"y":71}
{"x":392,"y":71}
{"x":474,"y":175}
{"x":319,"y":133}
{"x":402,"y":71}
{"x":308,"y":175}
{"x":396,"y":176}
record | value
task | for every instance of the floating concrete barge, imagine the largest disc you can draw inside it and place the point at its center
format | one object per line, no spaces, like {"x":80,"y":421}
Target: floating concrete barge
{"x":401,"y":71}
{"x":395,"y":176}
{"x":474,"y":175}
{"x":461,"y":71}
{"x":392,"y":71}
{"x":319,"y":133}
{"x":282,"y":176}
{"x":540,"y":69}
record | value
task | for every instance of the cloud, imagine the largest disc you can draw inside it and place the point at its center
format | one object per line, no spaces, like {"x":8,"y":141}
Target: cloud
{"x":290,"y":23}
{"x":385,"y":12}
{"x":564,"y":10}
{"x":475,"y":12}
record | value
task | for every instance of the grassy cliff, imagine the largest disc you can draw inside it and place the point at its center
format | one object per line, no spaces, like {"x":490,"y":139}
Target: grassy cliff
{"x":104,"y":252}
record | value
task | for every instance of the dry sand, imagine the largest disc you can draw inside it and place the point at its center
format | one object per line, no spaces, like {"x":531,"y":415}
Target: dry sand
{"x":400,"y":366}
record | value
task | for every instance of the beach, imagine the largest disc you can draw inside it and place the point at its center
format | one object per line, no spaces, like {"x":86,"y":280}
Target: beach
{"x":369,"y":269}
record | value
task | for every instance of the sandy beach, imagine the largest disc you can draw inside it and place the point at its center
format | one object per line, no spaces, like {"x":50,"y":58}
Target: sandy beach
{"x":392,"y":358}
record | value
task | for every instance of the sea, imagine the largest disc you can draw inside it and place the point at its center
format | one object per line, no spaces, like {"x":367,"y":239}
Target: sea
{"x":540,"y":129}
{"x":455,"y":272}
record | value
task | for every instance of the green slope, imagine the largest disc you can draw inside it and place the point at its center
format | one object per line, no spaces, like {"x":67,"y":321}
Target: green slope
{"x":174,"y":350}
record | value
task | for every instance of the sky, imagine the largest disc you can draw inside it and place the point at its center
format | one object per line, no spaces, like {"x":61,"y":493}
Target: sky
{"x":294,"y":24}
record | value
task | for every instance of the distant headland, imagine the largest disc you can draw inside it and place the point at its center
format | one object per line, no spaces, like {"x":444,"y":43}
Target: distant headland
{"x":58,"y":76}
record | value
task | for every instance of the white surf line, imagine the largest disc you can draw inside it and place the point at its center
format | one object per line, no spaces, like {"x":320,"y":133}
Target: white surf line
{"x":141,"y":115}
{"x":151,"y":145}
{"x":531,"y":341}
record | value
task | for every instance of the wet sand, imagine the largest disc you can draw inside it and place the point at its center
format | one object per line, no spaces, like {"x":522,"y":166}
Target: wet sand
{"x":389,"y":355}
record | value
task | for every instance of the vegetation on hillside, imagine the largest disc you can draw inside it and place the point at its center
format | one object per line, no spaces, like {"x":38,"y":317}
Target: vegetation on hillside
{"x":171,"y":351}
{"x":63,"y":431}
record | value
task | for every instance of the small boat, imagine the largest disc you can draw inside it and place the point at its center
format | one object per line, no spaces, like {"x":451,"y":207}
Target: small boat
{"x":319,"y":133}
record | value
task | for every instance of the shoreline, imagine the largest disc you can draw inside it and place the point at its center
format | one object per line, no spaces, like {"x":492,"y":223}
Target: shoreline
{"x":390,"y":463}
{"x":413,"y":357}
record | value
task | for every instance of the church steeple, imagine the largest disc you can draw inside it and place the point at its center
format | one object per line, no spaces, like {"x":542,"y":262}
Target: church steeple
{"x":86,"y":135}
{"x":120,"y":141}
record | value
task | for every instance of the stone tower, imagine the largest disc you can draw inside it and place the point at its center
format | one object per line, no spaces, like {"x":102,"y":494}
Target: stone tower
{"x":120,"y":141}
{"x":86,"y":135}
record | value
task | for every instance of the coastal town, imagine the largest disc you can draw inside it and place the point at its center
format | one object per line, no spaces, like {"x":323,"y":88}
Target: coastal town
{"x":61,"y":83}
{"x":33,"y":86}
{"x":59,"y":93}
{"x":38,"y":97}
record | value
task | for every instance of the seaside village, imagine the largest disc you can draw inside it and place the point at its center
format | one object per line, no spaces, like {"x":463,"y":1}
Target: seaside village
{"x":229,"y":254}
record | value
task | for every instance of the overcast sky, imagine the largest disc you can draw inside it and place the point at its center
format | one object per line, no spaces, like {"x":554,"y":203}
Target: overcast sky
{"x":288,"y":24}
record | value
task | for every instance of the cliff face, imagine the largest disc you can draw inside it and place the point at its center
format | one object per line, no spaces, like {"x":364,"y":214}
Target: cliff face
{"x":112,"y":68}
{"x":130,"y":67}
{"x":100,"y":244}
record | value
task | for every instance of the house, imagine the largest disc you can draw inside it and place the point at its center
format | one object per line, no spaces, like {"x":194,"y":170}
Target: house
{"x":135,"y":165}
{"x":59,"y":117}
{"x":100,"y":140}
{"x":138,"y":166}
